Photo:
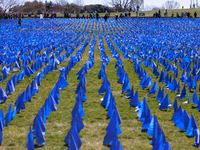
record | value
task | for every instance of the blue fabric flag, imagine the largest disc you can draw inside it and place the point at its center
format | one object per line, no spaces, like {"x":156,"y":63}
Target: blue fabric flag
{"x":8,"y":115}
{"x":155,"y":71}
{"x":14,"y":112}
{"x":1,"y":136}
{"x":126,"y":84}
{"x":73,"y":133}
{"x":42,"y":114}
{"x":2,"y":120}
{"x":160,"y":94}
{"x":194,"y":98}
{"x":10,"y":87}
{"x":62,"y":81}
{"x":143,"y":79}
{"x":47,"y":107}
{"x":112,"y":130}
{"x":28,"y":71}
{"x":151,"y":126}
{"x":105,"y":86}
{"x":173,"y":85}
{"x":3,"y":95}
{"x":34,"y":87}
{"x":39,"y":135}
{"x":52,"y":103}
{"x":72,"y":144}
{"x":182,"y":122}
{"x":165,"y":103}
{"x":20,"y":103}
{"x":183,"y":93}
{"x":148,"y":82}
{"x":134,"y":100}
{"x":116,"y":145}
{"x":159,"y":143}
{"x":33,"y":68}
{"x":55,"y":95}
{"x":188,"y":98}
{"x":192,"y":127}
{"x":175,"y":105}
{"x":156,"y":133}
{"x":153,"y":89}
{"x":30,"y":140}
{"x":141,"y":108}
{"x":77,"y":122}
{"x":101,"y":72}
{"x":198,"y":105}
{"x":177,"y":114}
{"x":145,"y":111}
{"x":122,"y":77}
{"x":140,"y":73}
{"x":178,"y":87}
{"x":197,"y":139}
{"x":147,"y":121}
{"x":1,"y":79}
{"x":106,"y":99}
{"x":167,"y":146}
{"x":28,"y":93}
{"x":38,"y":122}
{"x":162,"y":76}
{"x":130,"y":94}
{"x":78,"y":107}
{"x":4,"y":71}
{"x":114,"y":111}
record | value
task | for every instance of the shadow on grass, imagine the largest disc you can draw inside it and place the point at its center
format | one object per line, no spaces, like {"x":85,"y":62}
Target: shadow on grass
{"x":149,"y":138}
{"x":164,"y":110}
{"x":182,"y":131}
{"x":144,"y":130}
{"x":38,"y":146}
{"x":189,"y":137}
{"x":194,"y":107}
{"x":107,"y":145}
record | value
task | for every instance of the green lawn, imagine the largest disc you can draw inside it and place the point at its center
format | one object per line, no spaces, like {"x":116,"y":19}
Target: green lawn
{"x":95,"y":120}
{"x":133,"y":14}
{"x":147,"y":14}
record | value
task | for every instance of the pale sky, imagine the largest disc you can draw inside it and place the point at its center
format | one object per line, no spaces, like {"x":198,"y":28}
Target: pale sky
{"x":159,"y":3}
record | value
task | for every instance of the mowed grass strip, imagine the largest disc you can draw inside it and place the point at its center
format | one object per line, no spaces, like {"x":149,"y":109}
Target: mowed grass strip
{"x":172,"y":133}
{"x":19,"y":126}
{"x":95,"y":120}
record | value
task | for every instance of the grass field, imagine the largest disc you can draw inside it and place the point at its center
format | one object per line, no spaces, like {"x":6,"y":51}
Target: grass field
{"x":95,"y":120}
{"x":147,"y":14}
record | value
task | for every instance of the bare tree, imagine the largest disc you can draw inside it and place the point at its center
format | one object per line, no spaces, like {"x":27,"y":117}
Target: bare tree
{"x":122,"y":5}
{"x":148,"y":7}
{"x":135,"y":3}
{"x":7,"y":4}
{"x":62,"y":2}
{"x":105,"y":3}
{"x":79,"y":2}
{"x":152,"y":7}
{"x":171,"y":5}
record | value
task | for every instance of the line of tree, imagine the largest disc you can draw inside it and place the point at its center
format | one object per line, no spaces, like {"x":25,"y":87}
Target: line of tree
{"x":169,"y":4}
{"x":60,"y":6}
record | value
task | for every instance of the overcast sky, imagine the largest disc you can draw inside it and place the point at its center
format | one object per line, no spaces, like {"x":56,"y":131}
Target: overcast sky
{"x":185,"y":3}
